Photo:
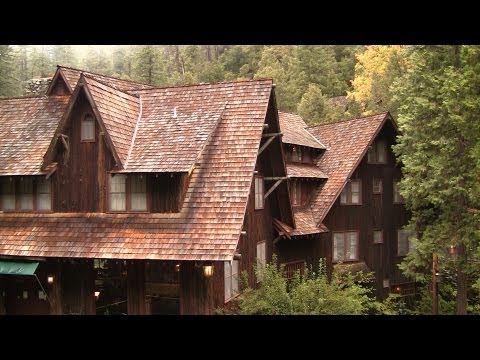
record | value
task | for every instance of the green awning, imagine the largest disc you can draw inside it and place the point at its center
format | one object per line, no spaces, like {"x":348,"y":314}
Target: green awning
{"x":17,"y":268}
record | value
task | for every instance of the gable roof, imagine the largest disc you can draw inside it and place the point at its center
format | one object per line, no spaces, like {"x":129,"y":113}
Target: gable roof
{"x":305,"y":223}
{"x":72,"y":76}
{"x":347,"y":143}
{"x":294,"y":131}
{"x":119,"y":113}
{"x":28,"y":125}
{"x":209,"y":224}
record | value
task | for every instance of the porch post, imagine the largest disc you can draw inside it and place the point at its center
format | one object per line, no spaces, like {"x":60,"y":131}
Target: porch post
{"x":136,"y":287}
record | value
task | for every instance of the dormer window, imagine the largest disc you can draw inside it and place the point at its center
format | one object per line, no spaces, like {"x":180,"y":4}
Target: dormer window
{"x":377,"y":153}
{"x":128,"y":193}
{"x":88,"y":128}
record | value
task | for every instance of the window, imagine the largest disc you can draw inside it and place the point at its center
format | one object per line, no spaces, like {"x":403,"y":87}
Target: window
{"x":397,"y":198}
{"x":118,"y":195}
{"x":296,"y":192}
{"x":8,"y":194}
{"x":351,"y":193}
{"x":261,"y":256}
{"x":259,"y":200}
{"x":403,"y":242}
{"x":231,"y":279}
{"x":88,"y":128}
{"x":293,"y":268}
{"x":44,"y":199}
{"x":128,"y":193}
{"x":377,"y":236}
{"x":377,"y":186}
{"x":377,"y":153}
{"x":299,"y":154}
{"x":138,"y":191}
{"x":25,"y":193}
{"x":345,"y":246}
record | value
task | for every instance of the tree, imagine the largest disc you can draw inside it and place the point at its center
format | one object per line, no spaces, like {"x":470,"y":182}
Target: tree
{"x":96,"y":60}
{"x":148,"y":65}
{"x":64,"y":55}
{"x":439,"y":146}
{"x":9,"y":84}
{"x":376,"y":69}
{"x":315,"y":108}
{"x":311,"y":293}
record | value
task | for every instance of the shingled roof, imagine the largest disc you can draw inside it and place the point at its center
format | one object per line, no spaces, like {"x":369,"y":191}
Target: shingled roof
{"x":347,"y":143}
{"x":210,"y":221}
{"x":72,"y":75}
{"x":294,"y":131}
{"x":27,"y":126}
{"x":307,"y":171}
{"x":305,"y":222}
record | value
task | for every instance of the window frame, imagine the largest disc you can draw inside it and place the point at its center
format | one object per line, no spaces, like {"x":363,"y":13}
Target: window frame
{"x":344,"y":233}
{"x":82,"y":127}
{"x":381,"y":236}
{"x":409,"y":248}
{"x":18,"y":194}
{"x":232,"y":277}
{"x":259,"y":260}
{"x":348,"y":190}
{"x":395,"y":192}
{"x":258,"y":195}
{"x":375,"y":190}
{"x":373,"y":152}
{"x":128,"y":193}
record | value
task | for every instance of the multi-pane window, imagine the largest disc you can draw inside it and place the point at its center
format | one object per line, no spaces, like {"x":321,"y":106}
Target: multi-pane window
{"x":377,"y":153}
{"x":377,"y":236}
{"x":261,"y":257}
{"x":128,"y":193}
{"x":26,"y":193}
{"x":231,"y":279}
{"x":44,"y":198}
{"x":138,"y":192}
{"x":297,"y":154}
{"x":351,"y":193}
{"x":404,"y":246}
{"x":88,"y":128}
{"x":377,"y":186}
{"x":118,"y":193}
{"x":259,"y":200}
{"x":397,"y":197}
{"x":8,"y":194}
{"x":296,"y":192}
{"x":345,"y":246}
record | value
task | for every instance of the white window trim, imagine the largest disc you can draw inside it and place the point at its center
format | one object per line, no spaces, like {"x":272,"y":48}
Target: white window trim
{"x":259,"y":193}
{"x":230,"y":279}
{"x":345,"y":234}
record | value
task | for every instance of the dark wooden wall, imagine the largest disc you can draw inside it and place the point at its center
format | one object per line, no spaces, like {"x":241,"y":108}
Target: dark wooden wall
{"x":376,"y":212}
{"x":60,"y":88}
{"x":200,"y":295}
{"x":75,"y":185}
{"x":78,"y":287}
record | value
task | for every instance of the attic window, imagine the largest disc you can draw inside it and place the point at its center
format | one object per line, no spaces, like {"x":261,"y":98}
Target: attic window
{"x":88,"y":128}
{"x":377,"y":153}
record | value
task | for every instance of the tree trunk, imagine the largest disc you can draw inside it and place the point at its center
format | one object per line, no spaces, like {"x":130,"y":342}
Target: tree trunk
{"x":462,"y":282}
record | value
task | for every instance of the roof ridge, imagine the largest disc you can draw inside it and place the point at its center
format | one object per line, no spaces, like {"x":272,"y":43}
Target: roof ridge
{"x":203,"y":84}
{"x":350,"y":119}
{"x":108,"y":76}
{"x":109,"y":85}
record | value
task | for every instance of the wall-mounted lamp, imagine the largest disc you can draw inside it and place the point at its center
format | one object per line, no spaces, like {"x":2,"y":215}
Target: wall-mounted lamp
{"x":97,"y":294}
{"x":208,"y":270}
{"x":177,"y":267}
{"x":50,"y":279}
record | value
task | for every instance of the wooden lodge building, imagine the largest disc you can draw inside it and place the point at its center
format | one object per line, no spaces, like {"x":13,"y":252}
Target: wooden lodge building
{"x":343,"y":182}
{"x":122,"y":198}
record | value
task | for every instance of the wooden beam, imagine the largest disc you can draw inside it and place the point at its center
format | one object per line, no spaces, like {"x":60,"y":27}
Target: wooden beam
{"x":274,"y":178}
{"x":272,"y":135}
{"x":264,"y":146}
{"x":274,"y":186}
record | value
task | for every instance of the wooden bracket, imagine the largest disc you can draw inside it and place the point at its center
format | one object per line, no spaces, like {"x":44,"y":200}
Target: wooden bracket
{"x":274,"y":186}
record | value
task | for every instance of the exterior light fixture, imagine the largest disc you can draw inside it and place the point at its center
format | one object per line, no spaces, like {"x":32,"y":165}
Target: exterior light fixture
{"x":50,"y":279}
{"x":177,"y":267}
{"x":208,"y":270}
{"x":97,"y":294}
{"x":452,"y":250}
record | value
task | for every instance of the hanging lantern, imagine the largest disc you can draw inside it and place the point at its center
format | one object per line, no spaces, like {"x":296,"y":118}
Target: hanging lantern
{"x":452,"y":250}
